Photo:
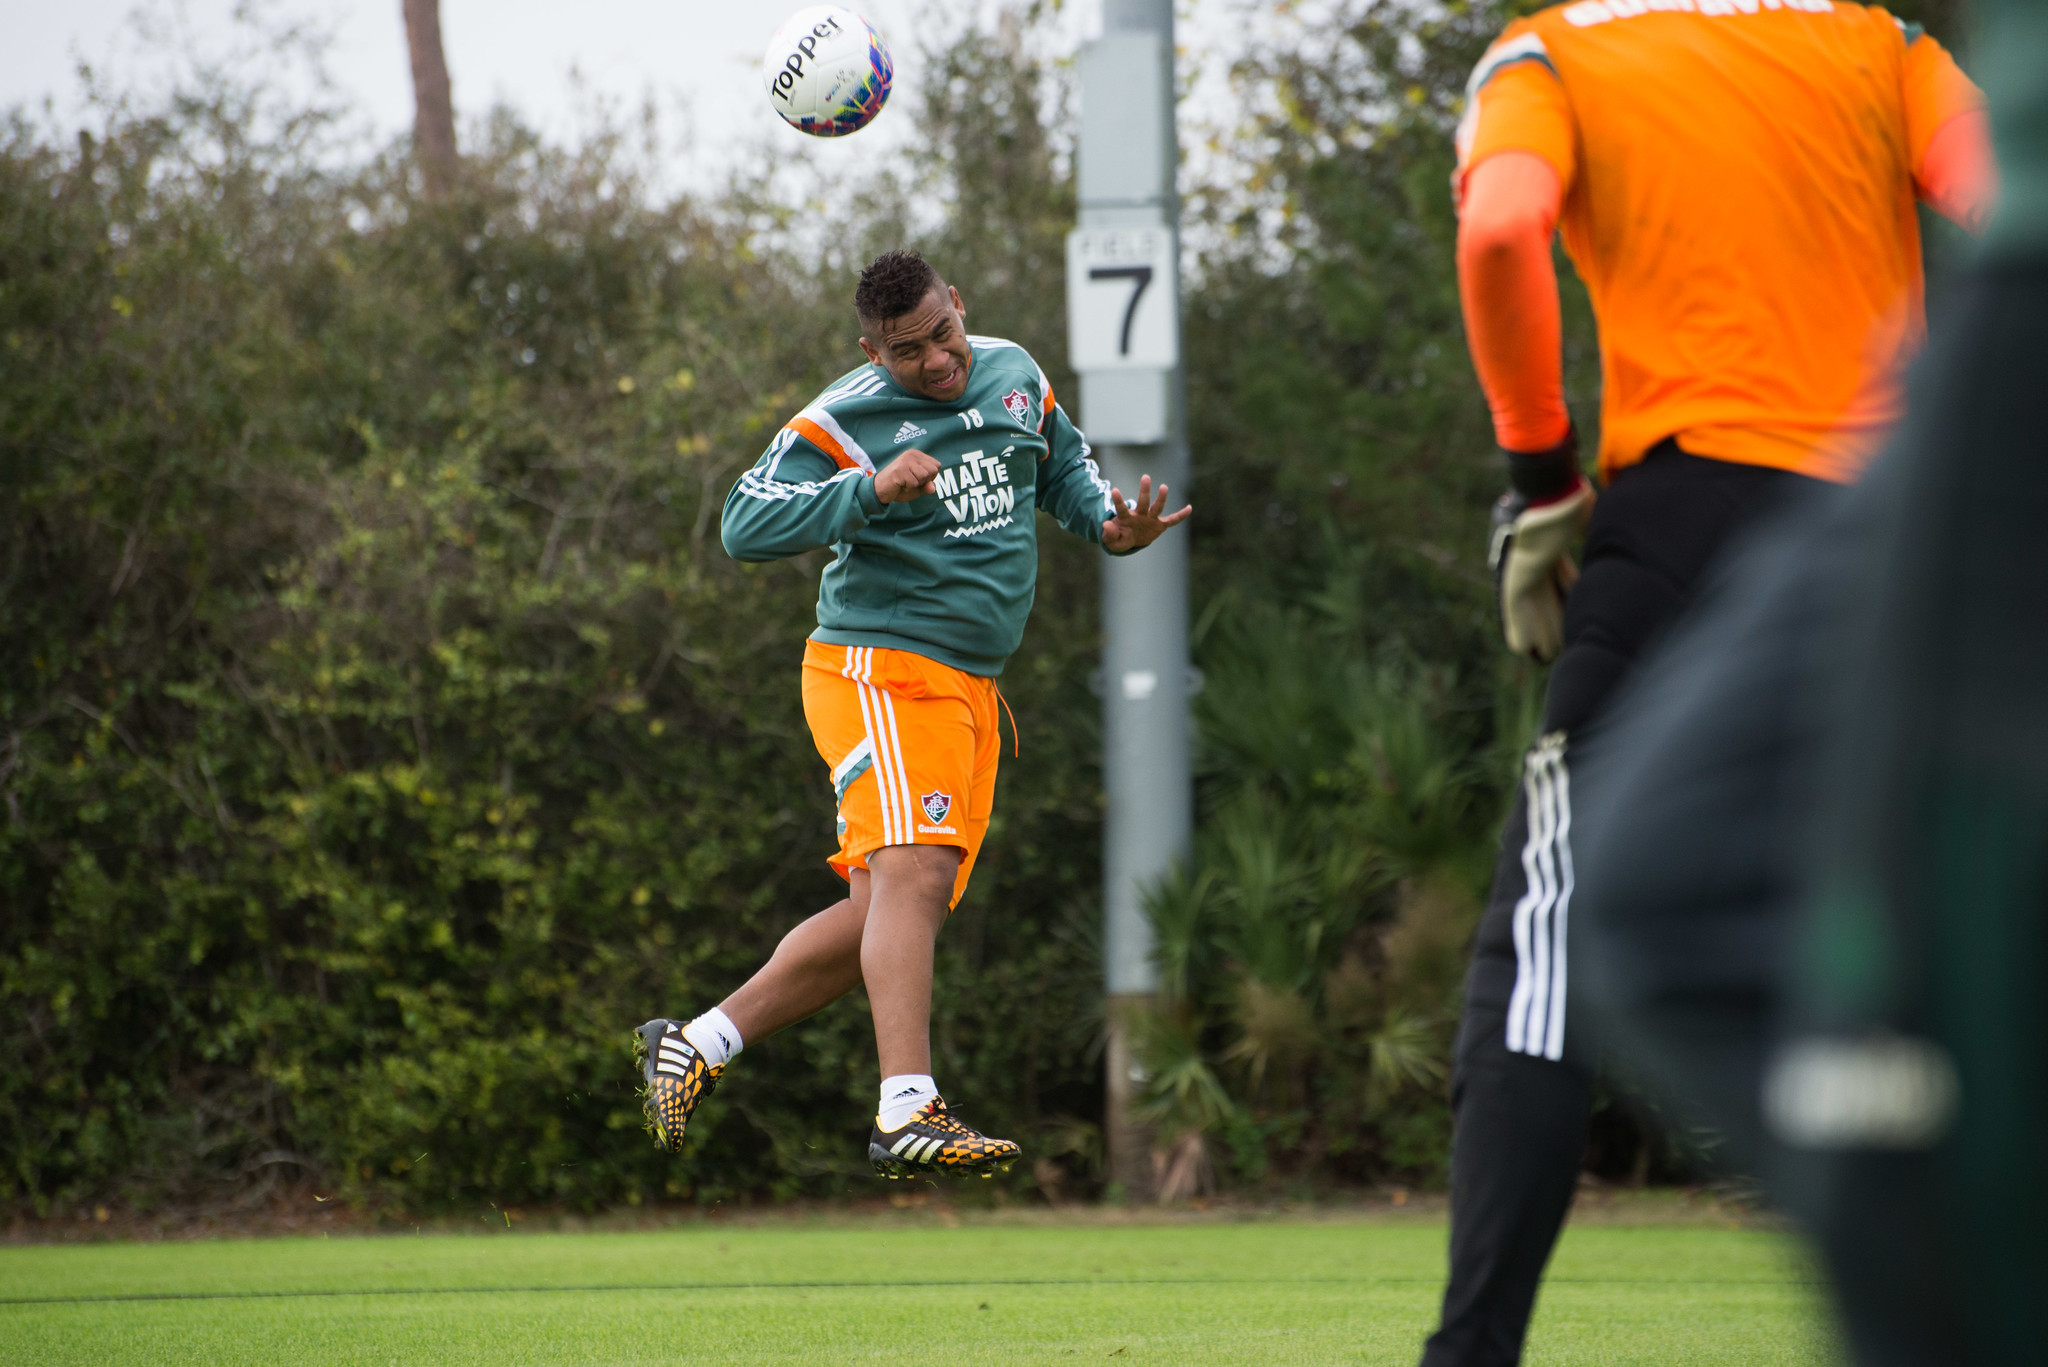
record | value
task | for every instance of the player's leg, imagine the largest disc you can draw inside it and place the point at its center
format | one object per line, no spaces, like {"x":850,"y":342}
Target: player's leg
{"x":911,"y":898}
{"x":816,"y":963}
{"x":822,"y":959}
{"x":947,"y":745}
{"x":1515,"y":1164}
{"x":1521,"y":1094}
{"x":899,"y":942}
{"x":829,"y":954}
{"x":1519,"y":1105}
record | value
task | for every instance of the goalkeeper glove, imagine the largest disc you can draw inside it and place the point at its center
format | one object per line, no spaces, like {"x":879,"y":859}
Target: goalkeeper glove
{"x":1533,"y":526}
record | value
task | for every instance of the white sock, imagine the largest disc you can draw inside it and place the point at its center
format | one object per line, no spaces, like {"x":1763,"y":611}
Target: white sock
{"x":715,"y":1037}
{"x":901,"y":1096}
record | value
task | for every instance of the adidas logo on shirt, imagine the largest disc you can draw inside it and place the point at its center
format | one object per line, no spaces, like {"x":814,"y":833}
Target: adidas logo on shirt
{"x":908,"y":432}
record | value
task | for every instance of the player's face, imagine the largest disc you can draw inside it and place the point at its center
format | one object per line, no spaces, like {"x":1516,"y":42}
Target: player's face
{"x":925,"y":350}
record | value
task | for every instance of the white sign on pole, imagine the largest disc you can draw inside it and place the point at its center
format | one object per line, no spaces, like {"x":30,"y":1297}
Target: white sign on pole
{"x":1122,"y":299}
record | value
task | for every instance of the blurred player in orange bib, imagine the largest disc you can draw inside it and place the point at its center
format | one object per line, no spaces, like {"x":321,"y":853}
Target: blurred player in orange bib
{"x":1735,"y":181}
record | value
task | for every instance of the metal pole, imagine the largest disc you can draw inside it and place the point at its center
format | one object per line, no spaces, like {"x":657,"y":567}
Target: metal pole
{"x":1128,"y":161}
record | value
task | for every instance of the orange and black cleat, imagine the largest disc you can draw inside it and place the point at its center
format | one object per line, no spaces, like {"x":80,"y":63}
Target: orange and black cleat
{"x":933,"y":1140}
{"x":677,"y":1079}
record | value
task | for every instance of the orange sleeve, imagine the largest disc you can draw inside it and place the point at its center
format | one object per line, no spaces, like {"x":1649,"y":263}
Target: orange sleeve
{"x":1936,"y":91}
{"x":1957,"y":175}
{"x":1508,"y":288}
{"x":1516,"y":104}
{"x":1948,"y":136}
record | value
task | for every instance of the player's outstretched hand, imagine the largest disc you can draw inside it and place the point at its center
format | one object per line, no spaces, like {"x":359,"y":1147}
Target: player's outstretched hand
{"x":1139,"y":524}
{"x":909,"y":476}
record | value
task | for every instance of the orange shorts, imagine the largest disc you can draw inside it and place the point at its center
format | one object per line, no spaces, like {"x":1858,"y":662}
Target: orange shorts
{"x":912,"y":745}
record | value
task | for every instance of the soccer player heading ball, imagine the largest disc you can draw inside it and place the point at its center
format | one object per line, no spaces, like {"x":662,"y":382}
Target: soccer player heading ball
{"x":922,"y":470}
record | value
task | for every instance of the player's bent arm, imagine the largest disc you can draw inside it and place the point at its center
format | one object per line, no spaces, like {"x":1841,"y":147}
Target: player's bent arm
{"x":1507,"y":286}
{"x":1070,"y":484}
{"x":795,"y":499}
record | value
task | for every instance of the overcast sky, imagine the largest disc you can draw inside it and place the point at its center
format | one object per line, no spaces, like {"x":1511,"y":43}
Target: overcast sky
{"x":698,"y":58}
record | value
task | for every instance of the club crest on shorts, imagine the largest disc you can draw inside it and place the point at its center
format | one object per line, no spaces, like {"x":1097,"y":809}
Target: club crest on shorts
{"x":1018,"y":406}
{"x":936,"y":805}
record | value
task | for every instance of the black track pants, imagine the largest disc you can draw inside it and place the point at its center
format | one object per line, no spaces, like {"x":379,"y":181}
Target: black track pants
{"x":1521,"y":1091}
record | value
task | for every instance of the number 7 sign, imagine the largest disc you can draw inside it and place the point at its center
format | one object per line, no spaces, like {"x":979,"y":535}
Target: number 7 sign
{"x":1122,"y":299}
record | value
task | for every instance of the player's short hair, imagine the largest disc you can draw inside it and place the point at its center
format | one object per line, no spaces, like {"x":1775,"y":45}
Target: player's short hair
{"x":893,"y":284}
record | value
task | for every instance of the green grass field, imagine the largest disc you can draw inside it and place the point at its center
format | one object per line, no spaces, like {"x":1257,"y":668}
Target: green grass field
{"x":1309,"y":1290}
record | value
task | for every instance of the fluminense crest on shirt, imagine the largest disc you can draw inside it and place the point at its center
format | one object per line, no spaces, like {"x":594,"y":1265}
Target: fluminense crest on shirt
{"x":936,"y":805}
{"x":910,"y":431}
{"x":1018,"y":406}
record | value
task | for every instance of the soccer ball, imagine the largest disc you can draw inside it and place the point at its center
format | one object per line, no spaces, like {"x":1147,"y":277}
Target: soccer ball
{"x":827,"y":71}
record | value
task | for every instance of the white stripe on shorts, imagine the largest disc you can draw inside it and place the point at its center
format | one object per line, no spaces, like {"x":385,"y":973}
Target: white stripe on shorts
{"x":885,"y":743}
{"x":899,"y":772}
{"x":889,"y":766}
{"x":878,"y":715}
{"x":855,"y":659}
{"x":860,"y":666}
{"x":1536,"y":1008}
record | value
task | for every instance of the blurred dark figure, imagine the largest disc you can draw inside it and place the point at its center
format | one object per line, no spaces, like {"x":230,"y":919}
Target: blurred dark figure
{"x":1814,"y":910}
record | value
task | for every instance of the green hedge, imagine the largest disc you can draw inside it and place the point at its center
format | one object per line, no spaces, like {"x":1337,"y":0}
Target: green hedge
{"x":383,"y":732}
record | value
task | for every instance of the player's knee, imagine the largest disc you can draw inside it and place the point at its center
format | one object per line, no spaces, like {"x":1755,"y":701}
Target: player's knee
{"x":923,"y":872}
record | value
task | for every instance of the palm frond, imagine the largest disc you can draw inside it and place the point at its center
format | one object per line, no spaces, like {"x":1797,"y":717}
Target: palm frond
{"x":1405,"y":1052}
{"x":1181,"y":1093}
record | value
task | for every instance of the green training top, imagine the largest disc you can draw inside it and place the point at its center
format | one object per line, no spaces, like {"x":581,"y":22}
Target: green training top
{"x":950,"y":575}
